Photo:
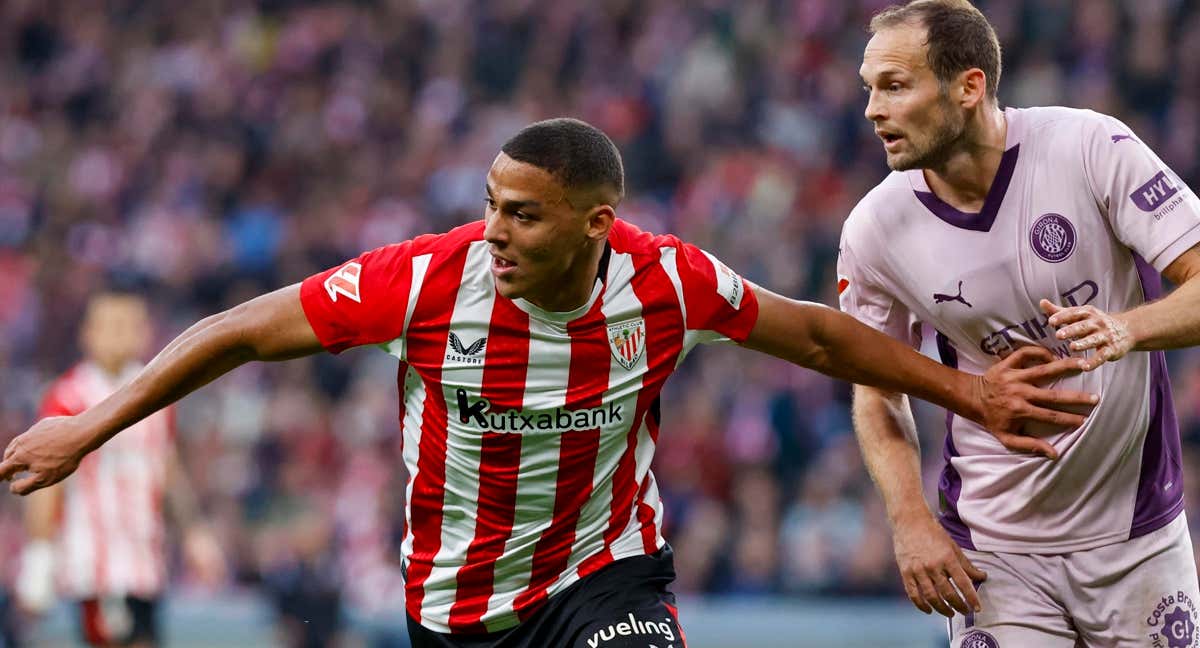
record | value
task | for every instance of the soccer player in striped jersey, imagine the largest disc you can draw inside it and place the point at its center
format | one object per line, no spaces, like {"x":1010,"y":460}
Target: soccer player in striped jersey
{"x":98,"y":539}
{"x":533,"y":346}
{"x":1004,"y":229}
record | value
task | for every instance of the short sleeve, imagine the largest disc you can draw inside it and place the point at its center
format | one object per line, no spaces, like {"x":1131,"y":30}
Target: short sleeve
{"x":862,"y":295}
{"x":1148,"y":206}
{"x":362,"y":301}
{"x":716,"y":298}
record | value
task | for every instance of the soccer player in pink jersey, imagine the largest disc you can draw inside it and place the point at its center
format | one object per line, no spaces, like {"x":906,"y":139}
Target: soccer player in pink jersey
{"x":533,"y":346}
{"x":1005,"y":229}
{"x":98,"y":539}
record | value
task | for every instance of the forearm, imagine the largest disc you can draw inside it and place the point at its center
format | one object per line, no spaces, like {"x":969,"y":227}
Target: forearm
{"x":887,"y":436}
{"x":1169,"y":323}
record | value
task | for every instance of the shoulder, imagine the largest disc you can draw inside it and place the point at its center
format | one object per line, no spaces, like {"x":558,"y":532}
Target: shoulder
{"x":627,"y":238}
{"x":66,"y":393}
{"x":447,"y":243}
{"x":1057,"y":122}
{"x":886,"y":197}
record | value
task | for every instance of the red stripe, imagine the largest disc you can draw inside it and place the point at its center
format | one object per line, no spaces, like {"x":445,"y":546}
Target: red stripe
{"x":645,"y":516}
{"x":504,"y":374}
{"x":96,"y":519}
{"x":586,"y":384}
{"x":664,"y":341}
{"x":427,"y":335}
{"x":94,"y":630}
{"x":675,"y":614}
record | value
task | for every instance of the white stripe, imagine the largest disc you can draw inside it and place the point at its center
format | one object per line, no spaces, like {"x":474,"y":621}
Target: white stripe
{"x":420,"y":264}
{"x":691,"y":338}
{"x":549,"y":369}
{"x":470,"y":320}
{"x":414,"y":412}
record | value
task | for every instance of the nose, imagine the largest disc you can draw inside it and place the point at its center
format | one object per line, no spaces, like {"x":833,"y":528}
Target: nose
{"x":493,"y":227}
{"x":875,"y":111}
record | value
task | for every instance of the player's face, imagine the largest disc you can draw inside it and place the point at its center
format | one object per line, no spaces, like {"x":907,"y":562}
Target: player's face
{"x":912,"y":112}
{"x":538,"y":240}
{"x":116,"y":330}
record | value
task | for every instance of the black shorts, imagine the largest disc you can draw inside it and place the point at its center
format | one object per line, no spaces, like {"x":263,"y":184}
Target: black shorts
{"x":624,"y":605}
{"x":119,"y":621}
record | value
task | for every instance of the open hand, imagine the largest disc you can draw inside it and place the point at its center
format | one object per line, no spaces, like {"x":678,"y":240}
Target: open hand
{"x":1011,"y":392}
{"x":1088,"y":327}
{"x":50,"y":450}
{"x":936,"y":573}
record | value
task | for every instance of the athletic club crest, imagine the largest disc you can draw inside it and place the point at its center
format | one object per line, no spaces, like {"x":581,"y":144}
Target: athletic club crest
{"x":1052,"y":238}
{"x":627,"y":341}
{"x":979,"y":639}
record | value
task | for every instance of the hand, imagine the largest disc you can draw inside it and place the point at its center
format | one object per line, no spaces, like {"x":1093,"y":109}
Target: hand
{"x":1089,"y":327}
{"x":204,"y":556}
{"x":50,"y":450}
{"x":1010,"y":392}
{"x":936,"y":574}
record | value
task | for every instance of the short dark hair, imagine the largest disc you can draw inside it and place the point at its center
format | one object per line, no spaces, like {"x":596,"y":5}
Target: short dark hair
{"x":958,"y":35}
{"x":576,"y":153}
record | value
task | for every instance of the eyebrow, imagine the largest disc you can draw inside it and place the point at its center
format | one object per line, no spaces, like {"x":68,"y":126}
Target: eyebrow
{"x":513,"y":204}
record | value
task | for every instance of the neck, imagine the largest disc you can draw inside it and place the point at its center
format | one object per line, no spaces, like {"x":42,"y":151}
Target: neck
{"x":110,"y":369}
{"x":966,"y":175}
{"x":574,"y":288}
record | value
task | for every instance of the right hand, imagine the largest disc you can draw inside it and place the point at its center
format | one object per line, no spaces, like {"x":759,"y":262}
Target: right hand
{"x":936,"y":573}
{"x":50,"y":451}
{"x":1012,"y":392}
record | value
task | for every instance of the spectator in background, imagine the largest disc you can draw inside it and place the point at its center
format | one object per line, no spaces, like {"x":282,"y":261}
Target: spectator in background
{"x":100,"y":536}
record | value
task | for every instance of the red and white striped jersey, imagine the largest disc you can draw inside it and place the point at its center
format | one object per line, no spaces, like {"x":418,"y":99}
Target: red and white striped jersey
{"x":110,"y":538}
{"x":527,"y":434}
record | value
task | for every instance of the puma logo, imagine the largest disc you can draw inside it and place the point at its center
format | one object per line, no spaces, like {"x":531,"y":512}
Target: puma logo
{"x":939,"y":297}
{"x":1118,"y":138}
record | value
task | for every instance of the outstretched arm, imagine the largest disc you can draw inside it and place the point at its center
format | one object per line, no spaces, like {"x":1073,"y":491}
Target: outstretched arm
{"x":1169,"y":323}
{"x":836,"y":344}
{"x":269,"y":327}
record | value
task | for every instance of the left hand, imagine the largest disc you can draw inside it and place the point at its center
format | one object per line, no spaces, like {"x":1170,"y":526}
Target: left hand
{"x":1088,"y":327}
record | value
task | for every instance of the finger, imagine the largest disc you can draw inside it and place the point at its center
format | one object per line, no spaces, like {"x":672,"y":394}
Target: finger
{"x":1095,"y":360}
{"x":949,"y":593}
{"x":931,"y":596}
{"x":10,"y":467}
{"x":1060,"y":368}
{"x":963,"y":582}
{"x":1052,"y":397}
{"x":1049,"y":307}
{"x":1028,"y":445}
{"x":26,"y":485}
{"x":1053,"y":417}
{"x":1068,"y":316}
{"x":1091,"y":342}
{"x":914,"y":594}
{"x":976,"y":574}
{"x":1078,"y":330}
{"x":1028,"y":356}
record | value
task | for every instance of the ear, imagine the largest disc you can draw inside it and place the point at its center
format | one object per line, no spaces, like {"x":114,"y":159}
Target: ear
{"x":599,"y":222}
{"x":972,"y":87}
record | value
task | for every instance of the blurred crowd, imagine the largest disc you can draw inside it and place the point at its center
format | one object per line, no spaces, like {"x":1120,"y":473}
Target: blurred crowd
{"x":208,"y":152}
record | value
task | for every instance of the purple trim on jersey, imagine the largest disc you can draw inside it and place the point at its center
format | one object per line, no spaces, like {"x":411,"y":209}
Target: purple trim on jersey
{"x":982,"y":221}
{"x":1160,"y":484}
{"x":950,"y":483}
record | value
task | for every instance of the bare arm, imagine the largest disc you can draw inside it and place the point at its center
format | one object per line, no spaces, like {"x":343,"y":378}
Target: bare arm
{"x":269,"y":327}
{"x":1169,"y":323}
{"x":936,"y":574}
{"x":833,"y":343}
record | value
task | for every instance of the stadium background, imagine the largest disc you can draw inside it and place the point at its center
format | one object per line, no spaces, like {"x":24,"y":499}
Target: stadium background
{"x":207,"y":152}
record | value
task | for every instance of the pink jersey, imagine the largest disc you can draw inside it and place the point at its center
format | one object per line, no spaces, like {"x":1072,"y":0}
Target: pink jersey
{"x":527,"y":434}
{"x":1080,"y":212}
{"x":111,"y":533}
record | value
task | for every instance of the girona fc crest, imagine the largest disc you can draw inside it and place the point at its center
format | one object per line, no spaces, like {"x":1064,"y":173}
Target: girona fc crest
{"x":627,"y":341}
{"x":344,"y":282}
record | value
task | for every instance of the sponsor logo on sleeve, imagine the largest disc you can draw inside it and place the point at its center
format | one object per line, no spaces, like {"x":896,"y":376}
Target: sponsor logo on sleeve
{"x":344,"y":282}
{"x":729,"y":284}
{"x":1153,"y":195}
{"x":1118,"y":138}
{"x":843,"y":284}
{"x":1172,"y":623}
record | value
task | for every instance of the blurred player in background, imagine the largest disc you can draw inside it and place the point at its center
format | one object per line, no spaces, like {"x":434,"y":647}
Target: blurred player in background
{"x":98,"y":538}
{"x":1003,"y":229}
{"x":533,"y":346}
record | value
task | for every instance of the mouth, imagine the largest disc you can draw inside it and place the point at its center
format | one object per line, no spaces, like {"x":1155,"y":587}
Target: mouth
{"x":889,"y":139}
{"x":502,"y":267}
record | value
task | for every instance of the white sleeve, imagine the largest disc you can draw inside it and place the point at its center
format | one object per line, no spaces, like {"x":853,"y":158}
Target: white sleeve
{"x":1148,"y":206}
{"x":863,"y":295}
